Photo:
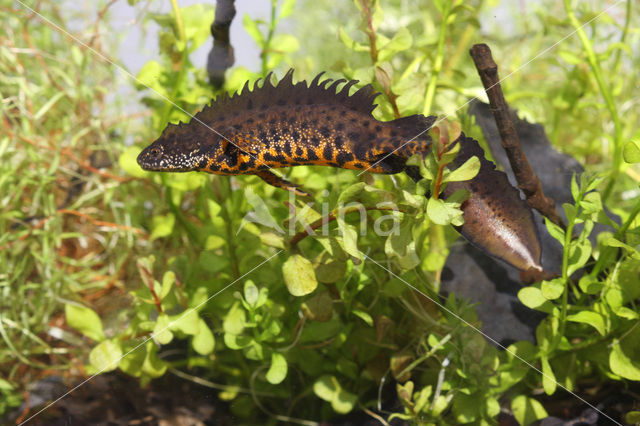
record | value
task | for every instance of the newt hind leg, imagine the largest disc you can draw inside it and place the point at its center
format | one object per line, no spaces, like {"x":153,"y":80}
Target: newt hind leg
{"x":278,"y":182}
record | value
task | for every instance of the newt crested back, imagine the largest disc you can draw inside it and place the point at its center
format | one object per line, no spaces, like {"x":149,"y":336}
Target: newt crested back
{"x":295,"y":124}
{"x":288,"y":125}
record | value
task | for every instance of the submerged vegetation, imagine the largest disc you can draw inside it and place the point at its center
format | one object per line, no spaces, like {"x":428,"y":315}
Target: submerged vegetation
{"x":103,"y":265}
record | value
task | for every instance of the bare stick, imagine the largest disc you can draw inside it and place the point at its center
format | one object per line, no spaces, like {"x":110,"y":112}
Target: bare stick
{"x":527,"y":180}
{"x":221,"y":55}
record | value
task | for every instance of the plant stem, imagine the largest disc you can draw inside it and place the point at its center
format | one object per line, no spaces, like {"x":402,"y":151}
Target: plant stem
{"x":594,"y":64}
{"x":437,"y":64}
{"x":625,"y":31}
{"x":267,"y":42}
{"x":608,"y":252}
{"x":166,"y":112}
{"x":373,"y":53}
{"x":227,"y":207}
{"x":623,"y":229}
{"x":568,"y":237}
{"x":192,"y":231}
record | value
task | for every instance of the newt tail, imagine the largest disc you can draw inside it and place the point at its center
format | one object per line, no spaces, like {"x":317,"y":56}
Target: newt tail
{"x":292,"y":124}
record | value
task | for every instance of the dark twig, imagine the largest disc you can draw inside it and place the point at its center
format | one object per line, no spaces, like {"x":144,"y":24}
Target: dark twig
{"x":528,"y":181}
{"x":221,"y":55}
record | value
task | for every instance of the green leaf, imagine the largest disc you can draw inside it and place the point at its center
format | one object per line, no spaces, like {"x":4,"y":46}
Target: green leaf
{"x":467,"y":171}
{"x":554,"y":230}
{"x":328,"y":388}
{"x":400,"y":244}
{"x":590,"y":285}
{"x":349,"y":238}
{"x":591,"y":318}
{"x":492,"y":407}
{"x":251,"y":293}
{"x":466,"y":407}
{"x":106,"y":355}
{"x":5,"y":386}
{"x":532,"y":297}
{"x":128,"y":163}
{"x":203,"y":342}
{"x":364,"y":316}
{"x":422,"y":398}
{"x":49,"y":104}
{"x":351,"y":43}
{"x":161,"y":331}
{"x":575,"y":189}
{"x":626,"y":313}
{"x":299,"y":275}
{"x":236,"y":342}
{"x":632,"y":417}
{"x":215,"y":208}
{"x":331,"y":271}
{"x":287,"y":8}
{"x":212,"y":262}
{"x":214,"y":242}
{"x":579,"y":254}
{"x":570,"y":58}
{"x":631,"y":151}
{"x":613,"y":242}
{"x":527,"y":410}
{"x":591,"y":204}
{"x":553,"y":289}
{"x":278,"y":369}
{"x":272,"y":239}
{"x":351,"y":192}
{"x":85,"y":320}
{"x":622,"y":365}
{"x":153,"y":76}
{"x":549,"y":382}
{"x":284,"y":43}
{"x":197,"y":19}
{"x":162,"y":225}
{"x":594,"y":182}
{"x":319,"y":307}
{"x":443,"y":213}
{"x":185,"y":182}
{"x":251,"y":27}
{"x":168,"y":279}
{"x":235,"y":320}
{"x":187,"y":322}
{"x":402,"y":40}
{"x":152,"y":365}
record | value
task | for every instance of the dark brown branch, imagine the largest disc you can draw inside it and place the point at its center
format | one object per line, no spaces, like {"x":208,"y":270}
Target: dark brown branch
{"x":528,"y":181}
{"x":221,"y":55}
{"x":380,"y":75}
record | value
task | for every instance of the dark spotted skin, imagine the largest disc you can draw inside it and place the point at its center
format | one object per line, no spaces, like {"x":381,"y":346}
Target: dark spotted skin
{"x":334,"y":137}
{"x":294,"y":124}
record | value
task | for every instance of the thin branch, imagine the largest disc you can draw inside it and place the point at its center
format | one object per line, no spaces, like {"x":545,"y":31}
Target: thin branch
{"x":380,"y":75}
{"x":527,"y":180}
{"x":221,"y":56}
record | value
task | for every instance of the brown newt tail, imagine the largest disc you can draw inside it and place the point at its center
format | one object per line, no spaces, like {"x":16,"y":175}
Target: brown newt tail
{"x":295,"y":124}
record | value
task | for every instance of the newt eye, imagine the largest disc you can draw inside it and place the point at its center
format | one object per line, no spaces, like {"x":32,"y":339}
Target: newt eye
{"x":154,"y":152}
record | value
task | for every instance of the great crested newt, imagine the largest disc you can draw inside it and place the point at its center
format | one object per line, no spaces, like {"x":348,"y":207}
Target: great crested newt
{"x":289,"y":124}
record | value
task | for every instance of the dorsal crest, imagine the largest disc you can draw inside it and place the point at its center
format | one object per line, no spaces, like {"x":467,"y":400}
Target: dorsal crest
{"x":288,"y":93}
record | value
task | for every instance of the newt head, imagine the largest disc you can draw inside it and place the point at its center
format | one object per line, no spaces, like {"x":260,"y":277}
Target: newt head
{"x":177,"y":150}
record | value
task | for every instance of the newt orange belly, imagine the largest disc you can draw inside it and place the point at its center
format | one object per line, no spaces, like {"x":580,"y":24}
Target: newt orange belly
{"x":295,"y":124}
